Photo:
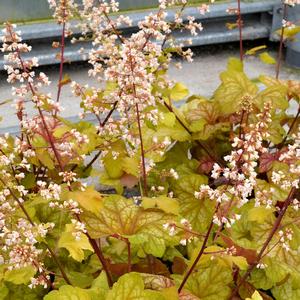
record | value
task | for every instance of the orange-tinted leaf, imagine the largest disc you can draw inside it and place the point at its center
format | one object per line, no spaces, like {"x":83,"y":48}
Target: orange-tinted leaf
{"x":266,"y":160}
{"x":129,"y":180}
{"x":179,"y":266}
{"x":151,"y":266}
{"x":66,"y":80}
{"x":249,"y":254}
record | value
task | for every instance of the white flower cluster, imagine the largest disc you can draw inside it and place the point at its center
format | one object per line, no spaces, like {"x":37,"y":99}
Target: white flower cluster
{"x":79,"y":229}
{"x":63,"y":11}
{"x":242,"y":162}
{"x":51,"y":192}
{"x":68,"y":205}
{"x":19,"y":247}
{"x":285,"y":237}
{"x":291,"y":2}
{"x":20,"y":70}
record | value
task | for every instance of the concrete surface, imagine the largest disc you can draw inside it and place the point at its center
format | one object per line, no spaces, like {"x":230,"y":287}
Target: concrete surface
{"x":201,"y":77}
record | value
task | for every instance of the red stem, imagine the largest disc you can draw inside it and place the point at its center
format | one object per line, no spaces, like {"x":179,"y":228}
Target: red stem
{"x":101,"y":257}
{"x":240,"y":24}
{"x":62,"y":60}
{"x":142,"y":150}
{"x":291,"y":128}
{"x":280,"y":50}
{"x":190,"y":271}
{"x":267,"y":242}
{"x":63,"y":273}
{"x":52,"y":144}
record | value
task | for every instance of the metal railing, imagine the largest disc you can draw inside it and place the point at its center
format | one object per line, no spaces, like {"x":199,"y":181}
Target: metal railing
{"x":257,"y":19}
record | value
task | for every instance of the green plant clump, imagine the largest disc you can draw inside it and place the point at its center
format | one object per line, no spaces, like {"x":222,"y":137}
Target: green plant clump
{"x":216,"y":215}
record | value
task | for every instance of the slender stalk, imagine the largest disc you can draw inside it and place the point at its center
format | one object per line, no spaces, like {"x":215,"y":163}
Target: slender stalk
{"x":102,"y":124}
{"x":112,"y":24}
{"x":99,"y":254}
{"x":59,"y":161}
{"x":109,"y":114}
{"x":63,"y":273}
{"x":60,"y":266}
{"x":291,"y":128}
{"x":62,"y":60}
{"x":241,"y":124}
{"x":201,"y":252}
{"x":92,"y":161}
{"x":129,"y":255}
{"x":240,"y":24}
{"x":62,"y":52}
{"x":267,"y":242}
{"x":280,"y":50}
{"x":142,"y":150}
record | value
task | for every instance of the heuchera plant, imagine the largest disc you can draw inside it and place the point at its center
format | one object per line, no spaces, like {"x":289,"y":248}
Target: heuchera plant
{"x":216,"y":212}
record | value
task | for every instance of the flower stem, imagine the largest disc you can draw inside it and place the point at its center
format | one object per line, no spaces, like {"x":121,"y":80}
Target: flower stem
{"x":280,"y":50}
{"x":62,"y":60}
{"x":240,"y":24}
{"x":201,"y":252}
{"x":63,"y":273}
{"x":142,"y":150}
{"x":274,"y":229}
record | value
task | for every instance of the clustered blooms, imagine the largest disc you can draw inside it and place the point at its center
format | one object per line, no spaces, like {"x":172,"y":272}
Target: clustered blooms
{"x":19,"y":237}
{"x":184,"y":230}
{"x":63,"y":12}
{"x":288,"y":24}
{"x":19,"y":248}
{"x":128,"y":65}
{"x":291,"y":2}
{"x":133,"y":69}
{"x":285,"y":237}
{"x":21,"y":71}
{"x":44,"y":124}
{"x":240,"y":174}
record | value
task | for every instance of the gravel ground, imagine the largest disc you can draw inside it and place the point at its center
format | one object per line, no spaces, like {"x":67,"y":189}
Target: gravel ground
{"x":201,"y":77}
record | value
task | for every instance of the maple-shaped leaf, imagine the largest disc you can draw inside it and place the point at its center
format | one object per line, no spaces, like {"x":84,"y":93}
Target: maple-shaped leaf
{"x":75,"y":247}
{"x":198,"y":212}
{"x":207,"y":110}
{"x":288,"y":290}
{"x":151,"y":265}
{"x":186,"y":295}
{"x":249,"y":254}
{"x":236,"y":88}
{"x":266,"y":160}
{"x":210,"y":283}
{"x":131,"y":287}
{"x":275,"y":94}
{"x":142,"y":227}
{"x":205,"y":119}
